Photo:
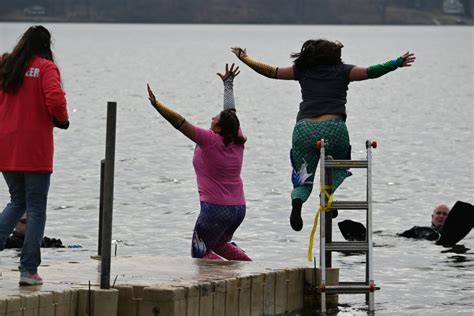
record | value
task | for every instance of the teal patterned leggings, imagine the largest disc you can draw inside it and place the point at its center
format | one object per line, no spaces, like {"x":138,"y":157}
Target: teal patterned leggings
{"x":305,"y":136}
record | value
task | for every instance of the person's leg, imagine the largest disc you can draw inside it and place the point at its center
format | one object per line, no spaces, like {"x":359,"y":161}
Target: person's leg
{"x":231,"y":251}
{"x":335,"y":131}
{"x":224,"y":247}
{"x":37,"y":187}
{"x":199,"y":249}
{"x":338,"y":147}
{"x":15,"y":208}
{"x":211,"y":255}
{"x":304,"y":159}
{"x":214,"y":228}
{"x":208,"y":230}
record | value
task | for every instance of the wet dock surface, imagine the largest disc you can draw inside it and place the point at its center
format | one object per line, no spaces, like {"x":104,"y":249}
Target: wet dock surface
{"x":133,"y":270}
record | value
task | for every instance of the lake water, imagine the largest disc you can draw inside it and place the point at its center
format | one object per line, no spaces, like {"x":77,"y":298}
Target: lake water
{"x":422,"y":118}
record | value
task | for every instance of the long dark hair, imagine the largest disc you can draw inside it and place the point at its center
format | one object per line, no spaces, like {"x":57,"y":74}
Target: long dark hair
{"x":229,"y":125}
{"x":35,"y":42}
{"x":318,"y":52}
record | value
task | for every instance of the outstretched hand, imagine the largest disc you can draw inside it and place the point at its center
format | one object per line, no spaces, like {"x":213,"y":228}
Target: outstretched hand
{"x":408,"y":59}
{"x":229,"y":73}
{"x":151,"y":96}
{"x":239,"y":52}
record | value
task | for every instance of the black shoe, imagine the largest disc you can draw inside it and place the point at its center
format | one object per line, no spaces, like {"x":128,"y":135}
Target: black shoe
{"x":296,"y":221}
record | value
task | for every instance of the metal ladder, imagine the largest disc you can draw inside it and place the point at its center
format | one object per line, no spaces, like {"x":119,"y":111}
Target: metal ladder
{"x":368,"y":287}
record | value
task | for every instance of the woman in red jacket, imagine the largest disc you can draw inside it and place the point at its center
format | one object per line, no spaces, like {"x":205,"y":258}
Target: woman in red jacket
{"x":32,"y":102}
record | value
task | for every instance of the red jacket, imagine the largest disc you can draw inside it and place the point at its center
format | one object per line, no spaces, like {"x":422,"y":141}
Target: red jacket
{"x":26,"y":119}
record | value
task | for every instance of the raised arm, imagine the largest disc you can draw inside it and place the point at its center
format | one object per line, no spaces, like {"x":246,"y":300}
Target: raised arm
{"x":375,"y":71}
{"x":285,"y":73}
{"x":175,"y":119}
{"x":228,"y":80}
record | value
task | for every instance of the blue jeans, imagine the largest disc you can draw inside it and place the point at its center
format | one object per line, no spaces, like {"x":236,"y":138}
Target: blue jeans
{"x":28,"y":192}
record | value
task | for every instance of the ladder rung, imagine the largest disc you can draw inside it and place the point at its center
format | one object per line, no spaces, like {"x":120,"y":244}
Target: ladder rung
{"x":350,"y":205}
{"x":345,"y":246}
{"x":342,"y":283}
{"x":349,"y":289}
{"x":335,"y":164}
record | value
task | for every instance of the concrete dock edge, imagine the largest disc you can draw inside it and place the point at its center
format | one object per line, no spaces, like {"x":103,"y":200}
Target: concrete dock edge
{"x":276,"y":292}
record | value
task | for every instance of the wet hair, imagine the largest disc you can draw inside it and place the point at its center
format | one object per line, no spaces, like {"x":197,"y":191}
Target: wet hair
{"x":36,"y":41}
{"x":229,"y":128}
{"x":318,"y":52}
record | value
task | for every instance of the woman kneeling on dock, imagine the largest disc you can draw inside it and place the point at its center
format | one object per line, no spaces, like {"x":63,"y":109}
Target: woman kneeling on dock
{"x":217,"y":162}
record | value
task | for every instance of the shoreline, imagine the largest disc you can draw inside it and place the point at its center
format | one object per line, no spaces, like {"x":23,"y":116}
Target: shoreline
{"x":391,"y":16}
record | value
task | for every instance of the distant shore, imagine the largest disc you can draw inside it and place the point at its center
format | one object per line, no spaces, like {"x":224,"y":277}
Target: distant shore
{"x":295,"y":15}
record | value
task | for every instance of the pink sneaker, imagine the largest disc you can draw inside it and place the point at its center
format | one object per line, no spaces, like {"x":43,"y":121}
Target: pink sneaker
{"x":27,"y":278}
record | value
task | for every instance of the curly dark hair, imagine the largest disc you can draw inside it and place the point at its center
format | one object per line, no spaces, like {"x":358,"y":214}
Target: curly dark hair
{"x":35,"y":42}
{"x":318,"y":52}
{"x":229,"y":125}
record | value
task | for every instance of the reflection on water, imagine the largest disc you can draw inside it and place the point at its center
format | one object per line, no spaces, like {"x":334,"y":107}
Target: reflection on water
{"x":456,"y":249}
{"x":422,"y":118}
{"x":458,"y":259}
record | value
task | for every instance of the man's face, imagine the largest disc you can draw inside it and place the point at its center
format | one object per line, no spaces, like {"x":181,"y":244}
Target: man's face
{"x":439,"y":216}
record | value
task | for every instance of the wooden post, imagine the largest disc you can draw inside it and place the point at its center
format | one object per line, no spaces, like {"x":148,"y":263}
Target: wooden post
{"x":108,"y":194}
{"x":101,"y":206}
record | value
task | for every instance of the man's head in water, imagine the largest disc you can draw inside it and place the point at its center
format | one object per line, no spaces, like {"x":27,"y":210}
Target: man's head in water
{"x":439,"y":216}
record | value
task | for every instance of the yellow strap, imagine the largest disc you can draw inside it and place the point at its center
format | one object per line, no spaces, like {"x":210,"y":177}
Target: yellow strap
{"x":322,"y":208}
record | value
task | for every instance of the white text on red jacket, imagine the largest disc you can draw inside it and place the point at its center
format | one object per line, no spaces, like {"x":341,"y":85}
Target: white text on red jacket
{"x":33,"y":72}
